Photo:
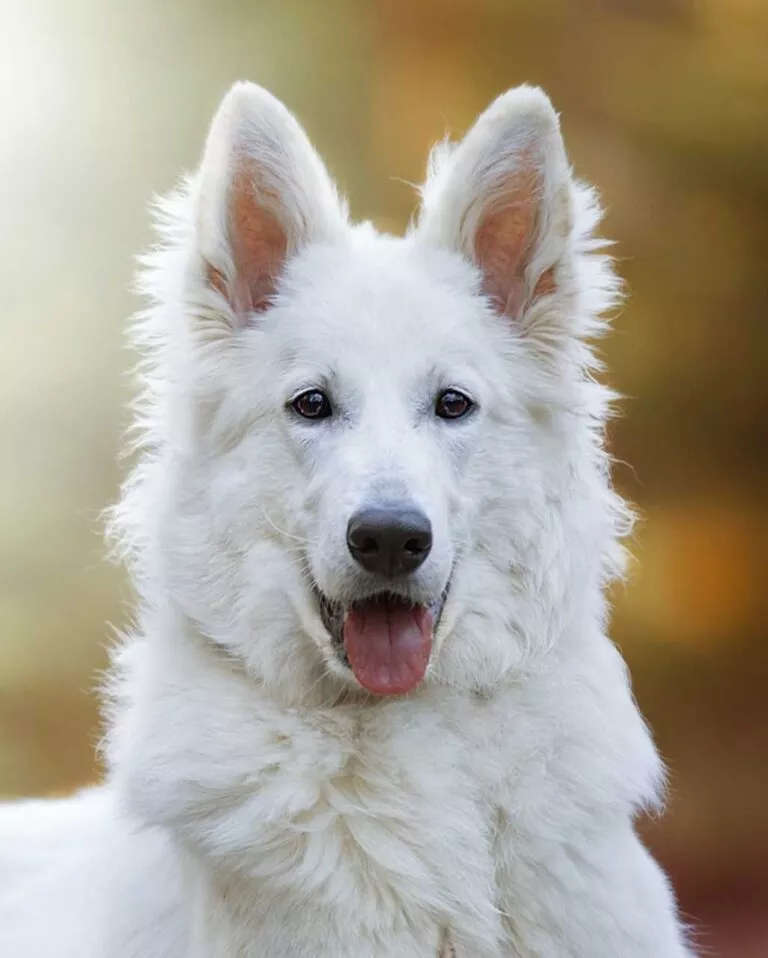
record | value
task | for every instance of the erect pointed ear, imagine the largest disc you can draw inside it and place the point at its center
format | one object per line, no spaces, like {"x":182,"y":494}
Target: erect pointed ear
{"x":502,"y":197}
{"x":263,"y":193}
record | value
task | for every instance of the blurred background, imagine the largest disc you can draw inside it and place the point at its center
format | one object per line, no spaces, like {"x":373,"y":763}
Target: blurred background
{"x":665,"y":107}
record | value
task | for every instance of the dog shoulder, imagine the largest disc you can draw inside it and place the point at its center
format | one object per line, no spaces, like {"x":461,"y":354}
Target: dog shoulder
{"x":64,"y":859}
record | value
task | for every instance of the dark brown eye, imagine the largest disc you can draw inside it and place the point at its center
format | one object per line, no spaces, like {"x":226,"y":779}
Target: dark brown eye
{"x":451,"y":404}
{"x":313,"y":404}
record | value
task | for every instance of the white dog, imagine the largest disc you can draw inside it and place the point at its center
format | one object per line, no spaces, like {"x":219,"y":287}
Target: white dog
{"x":369,"y":708}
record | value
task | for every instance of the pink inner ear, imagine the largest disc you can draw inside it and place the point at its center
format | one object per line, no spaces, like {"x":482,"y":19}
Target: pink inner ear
{"x":504,"y":245}
{"x":258,"y":245}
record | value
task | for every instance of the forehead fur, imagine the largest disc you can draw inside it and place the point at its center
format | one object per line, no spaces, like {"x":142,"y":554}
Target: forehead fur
{"x":382,"y":297}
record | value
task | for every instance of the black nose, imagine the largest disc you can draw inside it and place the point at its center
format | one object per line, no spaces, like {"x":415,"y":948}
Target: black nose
{"x":389,"y":540}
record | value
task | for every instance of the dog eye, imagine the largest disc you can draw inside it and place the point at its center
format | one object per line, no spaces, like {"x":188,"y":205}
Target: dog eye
{"x":451,"y":404}
{"x":313,"y":404}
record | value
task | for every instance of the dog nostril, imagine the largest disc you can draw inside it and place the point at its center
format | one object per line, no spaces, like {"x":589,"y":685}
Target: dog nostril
{"x":369,"y":547}
{"x":415,"y":547}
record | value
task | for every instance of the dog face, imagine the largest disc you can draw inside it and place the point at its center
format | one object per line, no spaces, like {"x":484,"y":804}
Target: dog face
{"x":365,"y":436}
{"x":382,"y":402}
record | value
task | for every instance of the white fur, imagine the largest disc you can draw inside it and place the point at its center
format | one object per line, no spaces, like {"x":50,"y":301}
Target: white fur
{"x":258,"y":802}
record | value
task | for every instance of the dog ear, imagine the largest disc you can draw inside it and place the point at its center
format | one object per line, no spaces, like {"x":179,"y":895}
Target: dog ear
{"x":262,"y":194}
{"x":502,"y":198}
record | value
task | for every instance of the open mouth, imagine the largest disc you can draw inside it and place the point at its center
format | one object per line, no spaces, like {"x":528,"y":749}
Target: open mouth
{"x":385,"y":639}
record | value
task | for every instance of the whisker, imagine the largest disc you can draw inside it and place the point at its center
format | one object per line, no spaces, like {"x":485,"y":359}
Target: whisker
{"x":284,"y":532}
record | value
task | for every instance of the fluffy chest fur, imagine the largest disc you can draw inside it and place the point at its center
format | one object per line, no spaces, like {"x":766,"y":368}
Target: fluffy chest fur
{"x":374,"y":826}
{"x":371,"y":818}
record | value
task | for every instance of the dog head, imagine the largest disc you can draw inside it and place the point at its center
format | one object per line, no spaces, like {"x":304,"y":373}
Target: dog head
{"x":372,"y":457}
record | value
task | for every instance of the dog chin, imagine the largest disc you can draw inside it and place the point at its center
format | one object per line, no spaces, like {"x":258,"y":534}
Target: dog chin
{"x":382,"y":639}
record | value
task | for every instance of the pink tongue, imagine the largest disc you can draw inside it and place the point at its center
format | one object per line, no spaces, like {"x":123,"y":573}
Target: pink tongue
{"x":388,"y":644}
